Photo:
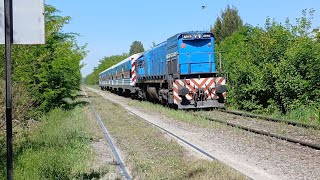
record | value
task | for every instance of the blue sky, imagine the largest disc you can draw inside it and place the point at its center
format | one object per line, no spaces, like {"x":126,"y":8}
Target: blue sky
{"x":108,"y":27}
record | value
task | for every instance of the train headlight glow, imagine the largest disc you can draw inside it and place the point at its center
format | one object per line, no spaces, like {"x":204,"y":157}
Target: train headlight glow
{"x":197,"y":36}
{"x":206,"y":35}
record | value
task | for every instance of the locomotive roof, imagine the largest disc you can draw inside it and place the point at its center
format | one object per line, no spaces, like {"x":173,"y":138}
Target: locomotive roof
{"x":135,"y":56}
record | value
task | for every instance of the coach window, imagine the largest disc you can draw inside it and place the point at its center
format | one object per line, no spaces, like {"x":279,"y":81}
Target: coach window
{"x":140,"y":64}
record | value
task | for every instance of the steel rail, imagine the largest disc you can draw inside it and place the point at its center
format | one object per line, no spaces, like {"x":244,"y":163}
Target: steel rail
{"x":181,"y":139}
{"x":299,"y":124}
{"x":261,"y":132}
{"x":105,"y":131}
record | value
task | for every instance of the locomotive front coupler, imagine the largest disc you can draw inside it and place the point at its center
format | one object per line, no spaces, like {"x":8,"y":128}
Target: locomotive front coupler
{"x":201,"y":95}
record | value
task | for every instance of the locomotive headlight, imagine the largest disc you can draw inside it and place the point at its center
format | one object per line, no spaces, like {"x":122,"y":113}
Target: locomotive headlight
{"x":197,"y":36}
{"x":206,"y":35}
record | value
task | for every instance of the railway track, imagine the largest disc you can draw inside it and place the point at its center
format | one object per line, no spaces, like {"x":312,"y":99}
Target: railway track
{"x":261,"y":132}
{"x":107,"y":136}
{"x":293,"y":123}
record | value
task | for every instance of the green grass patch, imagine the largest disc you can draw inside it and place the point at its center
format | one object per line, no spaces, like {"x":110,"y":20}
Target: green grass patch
{"x":305,"y":114}
{"x":150,"y":153}
{"x":180,"y":115}
{"x":58,"y":148}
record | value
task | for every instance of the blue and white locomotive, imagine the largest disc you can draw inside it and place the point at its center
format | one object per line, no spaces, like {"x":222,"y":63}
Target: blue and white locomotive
{"x":180,"y":72}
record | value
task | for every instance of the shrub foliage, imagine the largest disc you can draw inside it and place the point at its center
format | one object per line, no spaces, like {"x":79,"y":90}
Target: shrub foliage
{"x":50,"y":72}
{"x":275,"y":68}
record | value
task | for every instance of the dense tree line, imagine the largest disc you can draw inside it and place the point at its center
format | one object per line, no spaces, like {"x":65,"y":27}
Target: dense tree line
{"x":106,"y":62}
{"x":45,"y":75}
{"x":275,"y":68}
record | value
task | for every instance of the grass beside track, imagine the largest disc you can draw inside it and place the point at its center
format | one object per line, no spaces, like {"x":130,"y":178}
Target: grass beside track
{"x":57,"y":147}
{"x":306,"y":117}
{"x":305,"y":114}
{"x":152,"y":154}
{"x":179,"y":115}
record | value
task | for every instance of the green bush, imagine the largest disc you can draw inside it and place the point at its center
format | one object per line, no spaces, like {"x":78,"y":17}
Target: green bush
{"x":50,"y":72}
{"x":59,"y":148}
{"x":273,"y":69}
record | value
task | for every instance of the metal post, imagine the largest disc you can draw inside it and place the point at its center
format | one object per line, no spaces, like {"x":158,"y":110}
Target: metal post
{"x":8,"y":42}
{"x":220,"y":61}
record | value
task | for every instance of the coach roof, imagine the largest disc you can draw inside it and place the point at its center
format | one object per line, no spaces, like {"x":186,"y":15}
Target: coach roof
{"x":135,"y":56}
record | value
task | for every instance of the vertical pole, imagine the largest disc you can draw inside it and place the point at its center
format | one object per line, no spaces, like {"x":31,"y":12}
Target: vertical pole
{"x":220,"y":61}
{"x":8,"y":42}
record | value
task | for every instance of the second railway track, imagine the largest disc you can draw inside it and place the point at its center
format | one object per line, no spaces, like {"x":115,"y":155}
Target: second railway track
{"x":262,"y":131}
{"x":293,"y":123}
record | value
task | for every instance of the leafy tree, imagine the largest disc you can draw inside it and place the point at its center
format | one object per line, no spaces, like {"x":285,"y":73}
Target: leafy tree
{"x":216,"y":30}
{"x":316,"y":33}
{"x":49,"y":72}
{"x":229,"y":22}
{"x":136,"y":47}
{"x":276,"y":68}
{"x":43,"y":77}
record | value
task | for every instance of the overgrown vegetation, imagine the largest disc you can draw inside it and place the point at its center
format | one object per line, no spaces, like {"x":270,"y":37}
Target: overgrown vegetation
{"x":44,"y":76}
{"x":58,"y":147}
{"x":50,"y":72}
{"x":274,"y":69}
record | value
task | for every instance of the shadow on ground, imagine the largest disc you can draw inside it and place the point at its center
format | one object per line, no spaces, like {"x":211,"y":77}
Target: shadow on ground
{"x":71,"y":105}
